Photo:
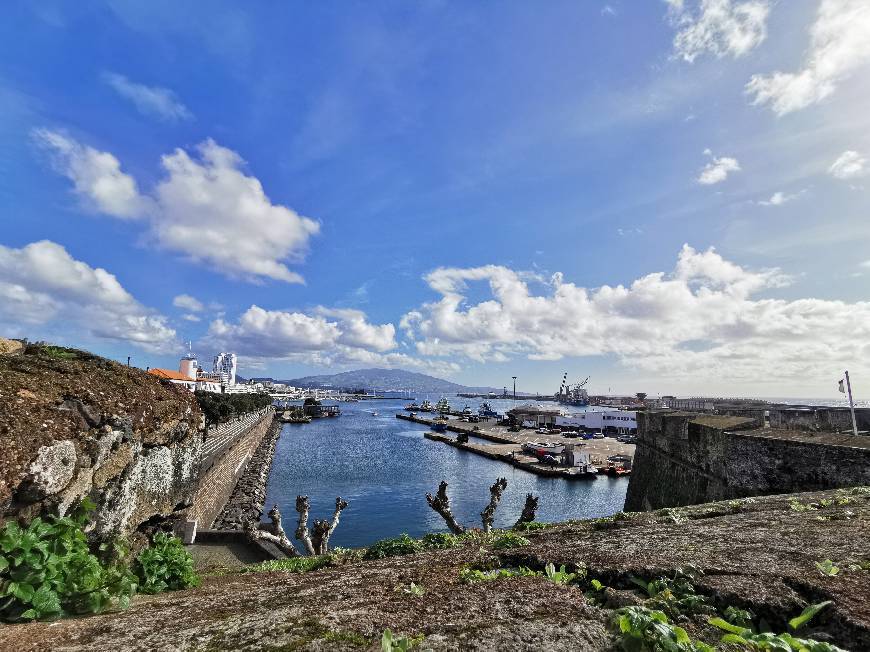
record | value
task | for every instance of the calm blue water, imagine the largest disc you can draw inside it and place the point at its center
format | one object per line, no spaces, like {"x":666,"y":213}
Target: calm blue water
{"x":383,"y":467}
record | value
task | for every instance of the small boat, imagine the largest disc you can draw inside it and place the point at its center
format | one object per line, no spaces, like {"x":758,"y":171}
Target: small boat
{"x":410,"y":407}
{"x":439,"y":425}
{"x":374,"y":414}
{"x":442,"y":406}
{"x":545,"y":448}
{"x":426,"y":406}
{"x":466,"y":411}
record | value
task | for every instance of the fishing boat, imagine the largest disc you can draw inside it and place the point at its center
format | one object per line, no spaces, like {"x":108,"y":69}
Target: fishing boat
{"x":543,"y":447}
{"x":426,"y":406}
{"x":442,"y":406}
{"x":412,"y":406}
{"x":466,"y":411}
{"x":439,"y":424}
{"x":485,"y":411}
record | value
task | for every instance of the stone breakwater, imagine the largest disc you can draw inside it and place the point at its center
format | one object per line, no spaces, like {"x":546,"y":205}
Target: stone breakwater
{"x":247,"y":500}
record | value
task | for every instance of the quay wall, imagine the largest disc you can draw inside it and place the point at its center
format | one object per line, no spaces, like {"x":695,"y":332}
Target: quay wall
{"x":685,"y":459}
{"x":216,"y":484}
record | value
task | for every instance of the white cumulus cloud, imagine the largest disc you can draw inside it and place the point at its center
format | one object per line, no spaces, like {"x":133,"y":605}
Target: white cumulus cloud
{"x":96,"y":175}
{"x":42,"y":284}
{"x":718,"y":169}
{"x":323,"y":337}
{"x":187,"y":302}
{"x":779,"y":198}
{"x":719,"y":27}
{"x":701,"y":318}
{"x":849,"y":165}
{"x":839,"y":47}
{"x":205,"y":207}
{"x":154,"y":101}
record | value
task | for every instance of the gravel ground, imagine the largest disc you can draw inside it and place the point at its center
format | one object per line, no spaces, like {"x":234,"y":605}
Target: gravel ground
{"x":758,"y":553}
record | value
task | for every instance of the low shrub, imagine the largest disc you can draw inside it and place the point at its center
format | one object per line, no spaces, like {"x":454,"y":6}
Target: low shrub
{"x":47,"y":570}
{"x":401,"y":545}
{"x":165,"y":566}
{"x":509,"y":540}
{"x":290,"y":565}
{"x":440,"y":541}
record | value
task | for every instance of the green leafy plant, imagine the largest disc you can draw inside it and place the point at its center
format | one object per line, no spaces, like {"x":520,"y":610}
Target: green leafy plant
{"x":807,"y":614}
{"x":596,"y":585}
{"x":440,"y":541}
{"x":747,"y":639}
{"x":509,"y":540}
{"x":642,"y":628}
{"x":827,"y":567}
{"x":675,"y":595}
{"x":560,"y":576}
{"x":412,"y":589}
{"x":471,"y":575}
{"x":48,"y":570}
{"x":290,"y":565}
{"x":165,"y":565}
{"x":401,"y":545}
{"x":390,"y":643}
{"x":739,"y":617}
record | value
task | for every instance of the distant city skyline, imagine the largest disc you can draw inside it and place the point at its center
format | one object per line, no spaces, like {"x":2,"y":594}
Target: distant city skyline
{"x":669,"y":197}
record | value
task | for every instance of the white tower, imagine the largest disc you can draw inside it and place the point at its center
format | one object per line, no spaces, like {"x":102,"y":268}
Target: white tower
{"x":188,"y":365}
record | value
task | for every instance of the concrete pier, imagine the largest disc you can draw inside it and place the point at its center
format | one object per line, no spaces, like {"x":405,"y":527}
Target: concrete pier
{"x":507,"y":446}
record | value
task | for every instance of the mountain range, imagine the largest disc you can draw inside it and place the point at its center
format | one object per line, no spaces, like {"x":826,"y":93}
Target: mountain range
{"x":387,"y":380}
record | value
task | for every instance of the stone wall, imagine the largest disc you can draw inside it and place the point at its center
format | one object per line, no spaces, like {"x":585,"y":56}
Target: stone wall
{"x":822,"y":419}
{"x":217,"y":483}
{"x":686,"y":458}
{"x":247,"y":500}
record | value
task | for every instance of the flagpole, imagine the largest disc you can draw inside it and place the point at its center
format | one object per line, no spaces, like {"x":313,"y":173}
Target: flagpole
{"x":851,"y":405}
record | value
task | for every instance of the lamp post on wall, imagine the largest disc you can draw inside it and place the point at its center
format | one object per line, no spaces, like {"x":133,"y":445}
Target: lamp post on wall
{"x":515,"y":387}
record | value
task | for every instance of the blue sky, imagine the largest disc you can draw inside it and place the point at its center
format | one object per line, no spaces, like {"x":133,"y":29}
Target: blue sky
{"x":325,"y":186}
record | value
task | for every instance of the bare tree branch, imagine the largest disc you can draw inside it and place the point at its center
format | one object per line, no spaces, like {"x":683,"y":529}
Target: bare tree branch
{"x":273,"y":533}
{"x":324,"y":529}
{"x":303,"y":506}
{"x":529,"y":510}
{"x":441,"y":504}
{"x":487,"y":516}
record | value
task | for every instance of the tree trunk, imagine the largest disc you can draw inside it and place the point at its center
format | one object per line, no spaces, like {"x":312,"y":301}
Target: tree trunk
{"x":487,"y":516}
{"x":303,"y":506}
{"x":441,"y":504}
{"x":529,"y":510}
{"x":273,"y":533}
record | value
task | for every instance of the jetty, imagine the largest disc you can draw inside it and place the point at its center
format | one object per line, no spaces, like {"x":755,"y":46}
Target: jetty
{"x":507,"y":446}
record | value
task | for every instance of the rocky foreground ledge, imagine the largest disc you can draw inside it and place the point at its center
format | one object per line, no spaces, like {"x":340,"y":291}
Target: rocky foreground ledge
{"x":758,"y":554}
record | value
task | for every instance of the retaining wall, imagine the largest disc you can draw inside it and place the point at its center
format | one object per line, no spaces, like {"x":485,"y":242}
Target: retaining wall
{"x":219,"y":477}
{"x":685,"y":459}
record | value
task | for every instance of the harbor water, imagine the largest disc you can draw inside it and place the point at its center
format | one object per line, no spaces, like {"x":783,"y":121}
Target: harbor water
{"x":384,"y":467}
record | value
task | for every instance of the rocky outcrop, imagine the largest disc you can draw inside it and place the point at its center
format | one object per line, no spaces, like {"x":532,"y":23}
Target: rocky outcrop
{"x":246,"y":502}
{"x":75,"y":425}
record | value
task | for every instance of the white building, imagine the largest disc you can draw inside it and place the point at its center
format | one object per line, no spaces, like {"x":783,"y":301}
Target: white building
{"x":622,"y":422}
{"x":225,"y":365}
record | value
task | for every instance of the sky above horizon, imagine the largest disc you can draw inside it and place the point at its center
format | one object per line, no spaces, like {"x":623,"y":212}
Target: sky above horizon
{"x":670,"y":197}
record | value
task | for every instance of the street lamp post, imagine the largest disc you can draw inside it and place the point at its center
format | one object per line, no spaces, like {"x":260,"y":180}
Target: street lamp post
{"x":515,"y":387}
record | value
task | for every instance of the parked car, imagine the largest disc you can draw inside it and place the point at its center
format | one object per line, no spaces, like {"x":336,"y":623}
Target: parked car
{"x":598,"y":435}
{"x":543,"y":431}
{"x":570,"y":433}
{"x":514,"y":428}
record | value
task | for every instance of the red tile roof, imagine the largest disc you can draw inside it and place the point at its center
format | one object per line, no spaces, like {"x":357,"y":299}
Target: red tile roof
{"x":168,"y":374}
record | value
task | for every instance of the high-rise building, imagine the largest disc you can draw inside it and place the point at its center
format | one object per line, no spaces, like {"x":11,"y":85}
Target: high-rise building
{"x":225,"y":365}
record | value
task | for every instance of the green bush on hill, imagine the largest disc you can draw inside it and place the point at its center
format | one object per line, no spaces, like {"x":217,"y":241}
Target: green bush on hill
{"x":220,"y":408}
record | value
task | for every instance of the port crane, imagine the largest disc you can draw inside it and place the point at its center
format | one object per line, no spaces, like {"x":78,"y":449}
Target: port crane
{"x":573,"y":394}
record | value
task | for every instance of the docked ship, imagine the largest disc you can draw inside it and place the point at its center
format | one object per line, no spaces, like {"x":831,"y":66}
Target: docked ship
{"x":426,"y":406}
{"x":442,"y":406}
{"x":412,"y":406}
{"x":572,"y":394}
{"x":485,"y":411}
